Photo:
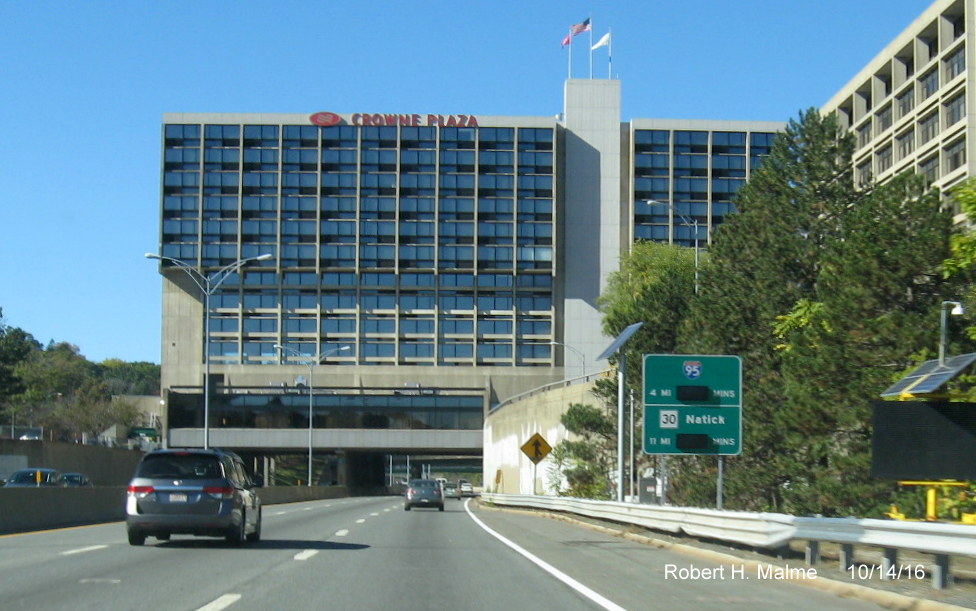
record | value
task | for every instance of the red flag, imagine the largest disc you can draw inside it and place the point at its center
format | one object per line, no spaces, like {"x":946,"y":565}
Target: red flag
{"x":579,"y":28}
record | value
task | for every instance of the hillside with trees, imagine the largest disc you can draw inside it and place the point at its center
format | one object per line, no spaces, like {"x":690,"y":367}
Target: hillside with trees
{"x":57,"y":388}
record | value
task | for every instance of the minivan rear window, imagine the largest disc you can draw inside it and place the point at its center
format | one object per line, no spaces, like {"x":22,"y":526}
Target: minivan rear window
{"x":181,"y":466}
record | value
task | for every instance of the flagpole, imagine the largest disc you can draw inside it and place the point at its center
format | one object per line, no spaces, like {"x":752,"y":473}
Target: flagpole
{"x":570,"y":51}
{"x":591,"y":48}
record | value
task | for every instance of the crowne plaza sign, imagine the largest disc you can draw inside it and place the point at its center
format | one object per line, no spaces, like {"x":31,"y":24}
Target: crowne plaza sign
{"x":326,"y":119}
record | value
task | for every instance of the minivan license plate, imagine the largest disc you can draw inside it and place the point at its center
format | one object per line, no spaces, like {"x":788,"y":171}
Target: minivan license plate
{"x":177,"y":497}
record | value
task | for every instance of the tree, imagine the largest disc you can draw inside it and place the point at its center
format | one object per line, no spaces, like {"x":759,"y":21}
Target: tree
{"x":123,"y":378}
{"x":654,"y":285}
{"x":588,"y":460}
{"x":825,"y":290}
{"x":16,"y":345}
{"x":879,"y":286}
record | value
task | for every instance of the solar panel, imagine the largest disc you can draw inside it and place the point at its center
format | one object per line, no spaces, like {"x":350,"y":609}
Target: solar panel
{"x":617,"y":343}
{"x":929,"y":376}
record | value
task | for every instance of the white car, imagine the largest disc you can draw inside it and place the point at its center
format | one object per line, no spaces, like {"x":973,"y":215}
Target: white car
{"x":466,"y":488}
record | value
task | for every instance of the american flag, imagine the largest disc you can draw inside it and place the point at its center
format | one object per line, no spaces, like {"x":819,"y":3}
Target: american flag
{"x":579,"y":28}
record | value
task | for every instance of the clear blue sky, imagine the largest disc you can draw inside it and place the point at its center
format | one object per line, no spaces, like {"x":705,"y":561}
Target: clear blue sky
{"x":84,"y":85}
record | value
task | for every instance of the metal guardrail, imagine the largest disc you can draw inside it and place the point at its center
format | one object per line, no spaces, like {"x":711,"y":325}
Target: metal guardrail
{"x":776,"y":530}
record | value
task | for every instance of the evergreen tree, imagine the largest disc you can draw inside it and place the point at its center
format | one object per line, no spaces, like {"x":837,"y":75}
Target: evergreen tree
{"x":826,"y":290}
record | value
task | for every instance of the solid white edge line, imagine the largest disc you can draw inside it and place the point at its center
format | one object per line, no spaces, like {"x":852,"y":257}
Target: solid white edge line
{"x":545,"y":566}
{"x":221,"y":603}
{"x":81,"y":550}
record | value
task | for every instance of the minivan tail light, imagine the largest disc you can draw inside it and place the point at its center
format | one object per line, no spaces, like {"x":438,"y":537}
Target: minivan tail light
{"x":219,"y":492}
{"x":141,"y":491}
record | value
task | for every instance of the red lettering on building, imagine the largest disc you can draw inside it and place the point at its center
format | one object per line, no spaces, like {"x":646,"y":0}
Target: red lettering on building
{"x":413,"y":120}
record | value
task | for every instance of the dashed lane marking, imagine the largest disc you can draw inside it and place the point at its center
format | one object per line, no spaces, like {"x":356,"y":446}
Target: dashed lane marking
{"x":82,"y":550}
{"x":221,"y":603}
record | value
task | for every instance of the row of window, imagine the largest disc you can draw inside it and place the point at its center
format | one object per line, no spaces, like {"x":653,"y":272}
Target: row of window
{"x":953,"y":157}
{"x":443,"y":301}
{"x":702,"y":142}
{"x":289,"y":409}
{"x":952,"y":111}
{"x":417,"y":208}
{"x":365,"y":348}
{"x":386,"y":325}
{"x":341,"y":160}
{"x":349,"y":136}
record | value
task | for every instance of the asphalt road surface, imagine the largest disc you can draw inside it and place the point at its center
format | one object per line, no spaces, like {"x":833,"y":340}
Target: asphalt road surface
{"x":368,"y":553}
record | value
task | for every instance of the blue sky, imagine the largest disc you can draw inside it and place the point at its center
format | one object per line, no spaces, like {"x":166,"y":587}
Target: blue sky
{"x":84,"y":86}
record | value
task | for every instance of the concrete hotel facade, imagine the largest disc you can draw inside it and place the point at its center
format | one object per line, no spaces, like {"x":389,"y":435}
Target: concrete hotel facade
{"x":457,"y":258}
{"x":911,"y":108}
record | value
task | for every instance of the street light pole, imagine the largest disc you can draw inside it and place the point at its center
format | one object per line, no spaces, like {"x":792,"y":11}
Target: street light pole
{"x":311,"y":361}
{"x":208,"y":284}
{"x":578,"y":353}
{"x":957,"y":310}
{"x":693,"y":222}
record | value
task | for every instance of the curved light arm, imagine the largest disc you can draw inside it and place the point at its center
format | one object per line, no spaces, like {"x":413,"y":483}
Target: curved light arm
{"x":199,"y":279}
{"x":310,"y":360}
{"x":578,"y":353}
{"x":208,"y":284}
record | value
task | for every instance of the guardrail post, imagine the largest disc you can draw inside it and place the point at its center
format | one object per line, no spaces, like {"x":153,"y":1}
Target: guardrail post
{"x":940,"y":572}
{"x":889,"y":560}
{"x":846,"y":556}
{"x":813,"y":552}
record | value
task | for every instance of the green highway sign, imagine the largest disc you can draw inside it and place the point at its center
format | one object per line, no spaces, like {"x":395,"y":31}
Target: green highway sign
{"x":692,"y":404}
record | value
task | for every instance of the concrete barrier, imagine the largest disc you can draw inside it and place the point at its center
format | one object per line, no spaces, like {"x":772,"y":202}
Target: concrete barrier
{"x":28,"y":509}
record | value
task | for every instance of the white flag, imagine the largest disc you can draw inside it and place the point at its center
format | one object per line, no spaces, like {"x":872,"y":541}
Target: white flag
{"x":602,"y":42}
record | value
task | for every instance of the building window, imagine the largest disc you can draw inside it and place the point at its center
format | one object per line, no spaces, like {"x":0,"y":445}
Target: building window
{"x":884,"y":159}
{"x":928,"y":127}
{"x":955,"y":110}
{"x":955,"y":64}
{"x":929,"y":84}
{"x":906,"y":144}
{"x":930,"y":168}
{"x":955,"y":155}
{"x":884,"y":119}
{"x":864,"y":135}
{"x":906,"y":102}
{"x":864,"y":174}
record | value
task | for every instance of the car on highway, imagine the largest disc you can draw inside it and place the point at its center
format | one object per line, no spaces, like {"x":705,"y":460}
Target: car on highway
{"x":451,"y":491}
{"x":34,"y":478}
{"x":424,"y":493}
{"x":466,"y":488}
{"x":76,"y":480}
{"x":199,"y":492}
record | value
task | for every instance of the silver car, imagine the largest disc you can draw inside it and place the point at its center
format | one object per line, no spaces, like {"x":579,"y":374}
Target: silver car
{"x":424,"y":493}
{"x":194,"y":492}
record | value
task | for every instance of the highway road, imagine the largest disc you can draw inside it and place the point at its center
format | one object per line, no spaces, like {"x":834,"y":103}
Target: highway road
{"x":369,"y":554}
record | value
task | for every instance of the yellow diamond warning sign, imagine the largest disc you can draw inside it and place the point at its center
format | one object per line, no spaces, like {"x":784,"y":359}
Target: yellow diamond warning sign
{"x":536,"y":448}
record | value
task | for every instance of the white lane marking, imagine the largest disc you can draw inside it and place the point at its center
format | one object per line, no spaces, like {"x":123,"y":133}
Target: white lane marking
{"x":280,"y":513}
{"x":545,"y":566}
{"x":82,"y":550}
{"x":360,"y":520}
{"x":374,"y":514}
{"x":342,"y":533}
{"x":100,"y":580}
{"x":221,"y":603}
{"x":307,"y":509}
{"x":305,"y":555}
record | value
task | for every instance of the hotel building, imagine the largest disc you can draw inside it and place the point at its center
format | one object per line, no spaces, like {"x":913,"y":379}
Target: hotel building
{"x":437,"y":264}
